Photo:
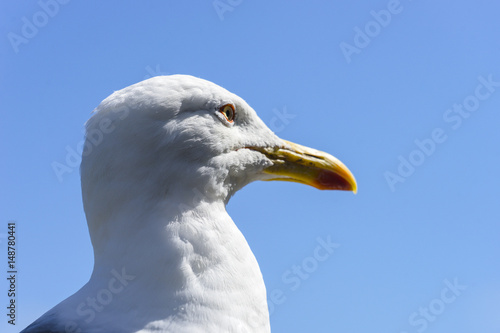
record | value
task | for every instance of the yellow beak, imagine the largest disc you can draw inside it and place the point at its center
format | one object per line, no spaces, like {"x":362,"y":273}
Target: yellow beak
{"x":296,"y":163}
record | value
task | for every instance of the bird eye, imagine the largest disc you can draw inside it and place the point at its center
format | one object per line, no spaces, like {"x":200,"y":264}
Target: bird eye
{"x":228,"y":112}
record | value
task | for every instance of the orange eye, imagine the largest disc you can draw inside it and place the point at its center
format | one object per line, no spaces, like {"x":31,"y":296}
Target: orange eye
{"x":228,"y":112}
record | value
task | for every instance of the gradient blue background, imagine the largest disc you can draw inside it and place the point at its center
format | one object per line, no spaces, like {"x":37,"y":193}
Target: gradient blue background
{"x":396,"y":247}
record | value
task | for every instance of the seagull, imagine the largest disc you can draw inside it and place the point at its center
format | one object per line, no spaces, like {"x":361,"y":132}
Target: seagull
{"x":160,"y":162}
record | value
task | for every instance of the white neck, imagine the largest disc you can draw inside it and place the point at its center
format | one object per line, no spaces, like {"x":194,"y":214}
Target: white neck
{"x":182,"y":269}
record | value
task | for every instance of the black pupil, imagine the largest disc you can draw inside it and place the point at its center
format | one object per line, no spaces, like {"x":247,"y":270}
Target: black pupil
{"x":228,"y":113}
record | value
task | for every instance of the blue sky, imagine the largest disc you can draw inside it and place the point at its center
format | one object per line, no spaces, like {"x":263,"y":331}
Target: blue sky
{"x":406,"y":93}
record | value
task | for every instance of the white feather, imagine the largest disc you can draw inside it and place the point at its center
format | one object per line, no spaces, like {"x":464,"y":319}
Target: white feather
{"x":158,"y":168}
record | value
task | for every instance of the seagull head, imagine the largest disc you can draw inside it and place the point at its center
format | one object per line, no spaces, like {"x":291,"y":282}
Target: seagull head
{"x":185,"y":135}
{"x":161,"y":159}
